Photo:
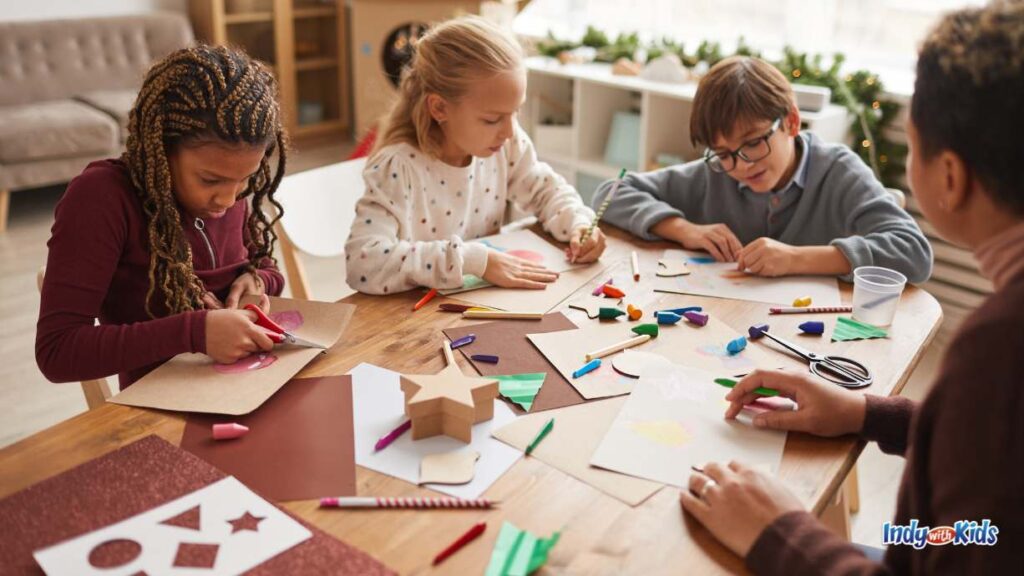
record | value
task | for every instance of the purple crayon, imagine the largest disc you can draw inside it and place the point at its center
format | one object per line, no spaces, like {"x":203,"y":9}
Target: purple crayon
{"x":696,"y":318}
{"x":757,"y":331}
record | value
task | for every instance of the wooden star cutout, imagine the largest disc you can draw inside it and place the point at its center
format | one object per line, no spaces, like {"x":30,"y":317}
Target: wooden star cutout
{"x":669,"y":268}
{"x":448,"y":402}
{"x":245,"y":522}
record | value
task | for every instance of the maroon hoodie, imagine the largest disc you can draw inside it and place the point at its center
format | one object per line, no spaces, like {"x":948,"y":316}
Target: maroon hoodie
{"x":98,"y":267}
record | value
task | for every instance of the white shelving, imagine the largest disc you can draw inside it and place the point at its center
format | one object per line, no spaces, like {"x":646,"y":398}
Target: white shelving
{"x":583,"y":100}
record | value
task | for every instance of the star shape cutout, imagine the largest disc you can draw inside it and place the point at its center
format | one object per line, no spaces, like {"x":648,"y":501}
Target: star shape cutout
{"x":246,"y":522}
{"x":451,"y":394}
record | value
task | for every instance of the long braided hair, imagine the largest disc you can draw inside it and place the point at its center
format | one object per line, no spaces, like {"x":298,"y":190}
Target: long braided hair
{"x":195,"y":95}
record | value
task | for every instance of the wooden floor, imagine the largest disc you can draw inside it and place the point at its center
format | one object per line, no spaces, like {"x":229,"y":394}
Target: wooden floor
{"x":30,"y":403}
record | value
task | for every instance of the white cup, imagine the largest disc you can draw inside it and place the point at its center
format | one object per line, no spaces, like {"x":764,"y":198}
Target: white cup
{"x":876,"y":294}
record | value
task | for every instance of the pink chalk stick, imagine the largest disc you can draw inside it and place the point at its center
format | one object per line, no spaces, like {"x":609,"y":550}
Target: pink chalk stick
{"x":228,"y":431}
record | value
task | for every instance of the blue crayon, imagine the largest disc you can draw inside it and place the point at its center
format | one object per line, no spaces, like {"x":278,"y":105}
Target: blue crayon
{"x":667,"y":317}
{"x":588,"y":367}
{"x":737,"y":345}
{"x":813,"y":327}
{"x":682,"y":311}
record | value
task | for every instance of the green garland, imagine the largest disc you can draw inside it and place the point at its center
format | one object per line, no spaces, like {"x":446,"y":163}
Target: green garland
{"x":859,"y":92}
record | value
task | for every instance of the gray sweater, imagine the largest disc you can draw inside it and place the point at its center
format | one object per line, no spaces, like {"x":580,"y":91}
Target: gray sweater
{"x":833,"y":199}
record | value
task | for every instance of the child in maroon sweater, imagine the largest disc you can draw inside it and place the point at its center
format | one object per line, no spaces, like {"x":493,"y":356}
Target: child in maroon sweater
{"x":964,"y":443}
{"x":157,"y":245}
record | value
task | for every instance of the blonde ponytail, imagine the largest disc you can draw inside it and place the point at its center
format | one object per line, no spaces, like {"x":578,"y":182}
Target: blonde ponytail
{"x":446,"y":61}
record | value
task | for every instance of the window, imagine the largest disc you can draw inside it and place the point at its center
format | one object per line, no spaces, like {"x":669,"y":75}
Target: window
{"x":880,"y":35}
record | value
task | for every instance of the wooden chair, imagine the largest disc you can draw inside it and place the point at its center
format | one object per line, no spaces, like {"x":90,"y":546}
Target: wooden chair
{"x":319,"y":207}
{"x":96,"y":392}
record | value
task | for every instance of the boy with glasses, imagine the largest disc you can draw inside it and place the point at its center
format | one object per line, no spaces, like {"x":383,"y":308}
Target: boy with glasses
{"x":774,"y":200}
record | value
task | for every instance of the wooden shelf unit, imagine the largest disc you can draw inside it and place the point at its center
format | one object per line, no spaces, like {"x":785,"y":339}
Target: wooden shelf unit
{"x":304,"y":42}
{"x":584,"y":99}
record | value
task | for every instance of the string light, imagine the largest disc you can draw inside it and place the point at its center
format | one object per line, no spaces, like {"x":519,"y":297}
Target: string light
{"x":876,"y":104}
{"x":866,"y":143}
{"x":796,"y":73}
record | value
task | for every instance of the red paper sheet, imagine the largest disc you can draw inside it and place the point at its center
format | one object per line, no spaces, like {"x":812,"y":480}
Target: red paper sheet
{"x":299,"y":445}
{"x":129,"y":481}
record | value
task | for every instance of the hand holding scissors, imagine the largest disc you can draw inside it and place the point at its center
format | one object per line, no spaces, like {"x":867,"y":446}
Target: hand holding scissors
{"x":276,"y":333}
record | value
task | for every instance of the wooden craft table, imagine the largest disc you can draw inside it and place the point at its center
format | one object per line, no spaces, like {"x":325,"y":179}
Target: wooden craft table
{"x":600,"y":535}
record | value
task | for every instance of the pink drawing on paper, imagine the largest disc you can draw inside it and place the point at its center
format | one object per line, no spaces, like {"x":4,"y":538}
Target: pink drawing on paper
{"x":527,"y":255}
{"x":289,"y":320}
{"x":247,"y":364}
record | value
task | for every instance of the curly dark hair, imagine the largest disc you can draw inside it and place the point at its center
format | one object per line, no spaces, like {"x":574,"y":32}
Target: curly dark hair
{"x":196,"y":95}
{"x":969,"y":92}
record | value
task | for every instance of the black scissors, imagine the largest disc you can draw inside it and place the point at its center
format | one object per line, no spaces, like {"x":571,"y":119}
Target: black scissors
{"x":836,"y":369}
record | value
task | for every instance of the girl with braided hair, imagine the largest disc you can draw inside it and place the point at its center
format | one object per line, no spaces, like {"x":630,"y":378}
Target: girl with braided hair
{"x":161,"y":244}
{"x":450,"y":161}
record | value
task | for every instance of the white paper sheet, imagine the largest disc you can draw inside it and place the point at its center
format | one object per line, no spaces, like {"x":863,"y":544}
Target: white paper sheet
{"x":378,"y":408}
{"x":722,"y":280}
{"x":674,"y":419}
{"x":238,"y":548}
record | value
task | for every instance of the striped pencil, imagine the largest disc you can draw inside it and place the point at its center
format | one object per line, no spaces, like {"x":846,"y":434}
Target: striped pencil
{"x":441,"y":503}
{"x":811,"y":310}
{"x":603,"y":206}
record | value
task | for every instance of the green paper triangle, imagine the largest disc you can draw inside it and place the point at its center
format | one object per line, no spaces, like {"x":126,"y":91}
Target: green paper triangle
{"x":519,"y":553}
{"x":850,"y":329}
{"x":520,"y":388}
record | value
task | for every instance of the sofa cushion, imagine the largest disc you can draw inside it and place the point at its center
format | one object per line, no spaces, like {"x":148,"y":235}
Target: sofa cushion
{"x":115,"y":103}
{"x":54,"y":129}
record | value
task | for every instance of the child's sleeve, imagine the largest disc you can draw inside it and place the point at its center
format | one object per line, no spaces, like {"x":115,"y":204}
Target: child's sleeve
{"x":269,"y":273}
{"x":88,"y":236}
{"x":381,"y":256}
{"x":536,"y":188}
{"x":878,"y":232}
{"x":646,"y":198}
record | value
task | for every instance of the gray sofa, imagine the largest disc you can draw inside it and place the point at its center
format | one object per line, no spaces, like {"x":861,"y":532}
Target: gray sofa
{"x":66,"y":87}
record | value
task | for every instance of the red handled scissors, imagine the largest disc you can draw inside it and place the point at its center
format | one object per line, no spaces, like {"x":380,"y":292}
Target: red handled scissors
{"x":278,"y":334}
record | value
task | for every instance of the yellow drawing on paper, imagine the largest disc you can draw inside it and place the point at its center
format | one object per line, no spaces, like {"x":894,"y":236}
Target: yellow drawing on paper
{"x":666,"y":432}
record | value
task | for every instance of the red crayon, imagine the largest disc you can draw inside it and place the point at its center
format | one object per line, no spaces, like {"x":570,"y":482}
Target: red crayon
{"x":466,"y":538}
{"x":423,"y":301}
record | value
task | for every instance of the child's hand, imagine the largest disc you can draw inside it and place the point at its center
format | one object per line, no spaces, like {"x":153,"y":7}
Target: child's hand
{"x":767,"y":257}
{"x":823,"y":409}
{"x":246,"y":284}
{"x":736,"y":503}
{"x":717,"y":239}
{"x":590,"y":250}
{"x":512,"y":272}
{"x":232,"y":334}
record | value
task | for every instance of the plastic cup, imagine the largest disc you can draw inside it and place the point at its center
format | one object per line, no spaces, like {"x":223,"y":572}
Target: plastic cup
{"x":876,"y":294}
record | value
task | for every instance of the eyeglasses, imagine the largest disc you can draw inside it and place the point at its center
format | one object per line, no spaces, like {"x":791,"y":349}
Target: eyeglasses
{"x":751,"y":151}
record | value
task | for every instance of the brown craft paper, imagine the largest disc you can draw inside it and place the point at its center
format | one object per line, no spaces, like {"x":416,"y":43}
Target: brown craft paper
{"x":577,"y":432}
{"x":571,"y":277}
{"x":299,"y":445}
{"x":132,"y":480}
{"x":456,"y":467}
{"x":533,"y":301}
{"x":683,"y":343}
{"x":507,"y":340}
{"x":190,"y":383}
